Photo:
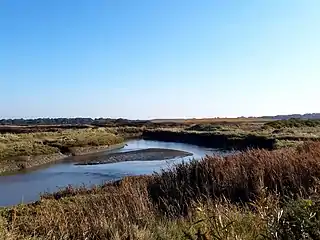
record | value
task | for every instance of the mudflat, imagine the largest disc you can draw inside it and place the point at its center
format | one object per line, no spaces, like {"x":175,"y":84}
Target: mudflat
{"x":150,"y":154}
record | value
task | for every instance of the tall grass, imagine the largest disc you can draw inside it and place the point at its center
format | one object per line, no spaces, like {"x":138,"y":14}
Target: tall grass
{"x":256,"y":194}
{"x":240,"y":178}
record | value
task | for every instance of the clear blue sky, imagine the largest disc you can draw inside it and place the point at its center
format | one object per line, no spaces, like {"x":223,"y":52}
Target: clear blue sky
{"x":159,"y":58}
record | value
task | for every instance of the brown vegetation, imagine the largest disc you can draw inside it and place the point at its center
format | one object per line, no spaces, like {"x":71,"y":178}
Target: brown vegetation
{"x":240,"y":178}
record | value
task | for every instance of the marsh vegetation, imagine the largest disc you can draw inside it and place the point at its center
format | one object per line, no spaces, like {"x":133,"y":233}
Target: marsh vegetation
{"x":258,"y":193}
{"x":20,"y":150}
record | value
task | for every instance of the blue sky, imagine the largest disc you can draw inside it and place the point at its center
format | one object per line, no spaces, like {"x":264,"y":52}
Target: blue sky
{"x":159,"y":59}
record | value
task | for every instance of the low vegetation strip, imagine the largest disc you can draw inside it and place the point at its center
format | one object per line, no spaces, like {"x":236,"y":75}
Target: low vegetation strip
{"x":256,"y":194}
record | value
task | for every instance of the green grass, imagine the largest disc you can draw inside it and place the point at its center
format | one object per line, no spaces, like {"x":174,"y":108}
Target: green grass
{"x":25,"y":148}
{"x":41,"y":143}
{"x":82,"y":138}
{"x":282,"y":128}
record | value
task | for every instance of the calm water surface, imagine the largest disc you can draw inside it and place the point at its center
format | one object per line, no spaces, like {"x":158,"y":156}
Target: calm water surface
{"x":26,"y":186}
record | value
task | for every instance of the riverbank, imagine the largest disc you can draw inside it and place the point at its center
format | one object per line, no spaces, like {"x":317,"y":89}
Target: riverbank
{"x":256,"y":194}
{"x":212,"y":139}
{"x":269,"y":136}
{"x":23,"y":151}
{"x":19,"y":163}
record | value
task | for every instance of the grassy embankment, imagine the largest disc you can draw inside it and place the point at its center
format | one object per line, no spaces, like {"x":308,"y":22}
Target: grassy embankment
{"x":241,"y":134}
{"x":19,"y":151}
{"x":257,"y":194}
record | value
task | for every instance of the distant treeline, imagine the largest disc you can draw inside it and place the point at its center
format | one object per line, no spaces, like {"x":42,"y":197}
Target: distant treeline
{"x":72,"y":121}
{"x":121,"y":121}
{"x":296,"y":116}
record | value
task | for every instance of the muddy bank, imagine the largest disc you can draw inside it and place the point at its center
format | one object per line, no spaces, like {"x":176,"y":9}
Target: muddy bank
{"x":212,"y":140}
{"x":24,"y":162}
{"x":150,"y":154}
{"x":19,"y":163}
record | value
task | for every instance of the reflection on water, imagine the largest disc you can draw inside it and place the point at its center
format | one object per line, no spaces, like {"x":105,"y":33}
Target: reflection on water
{"x":26,"y":187}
